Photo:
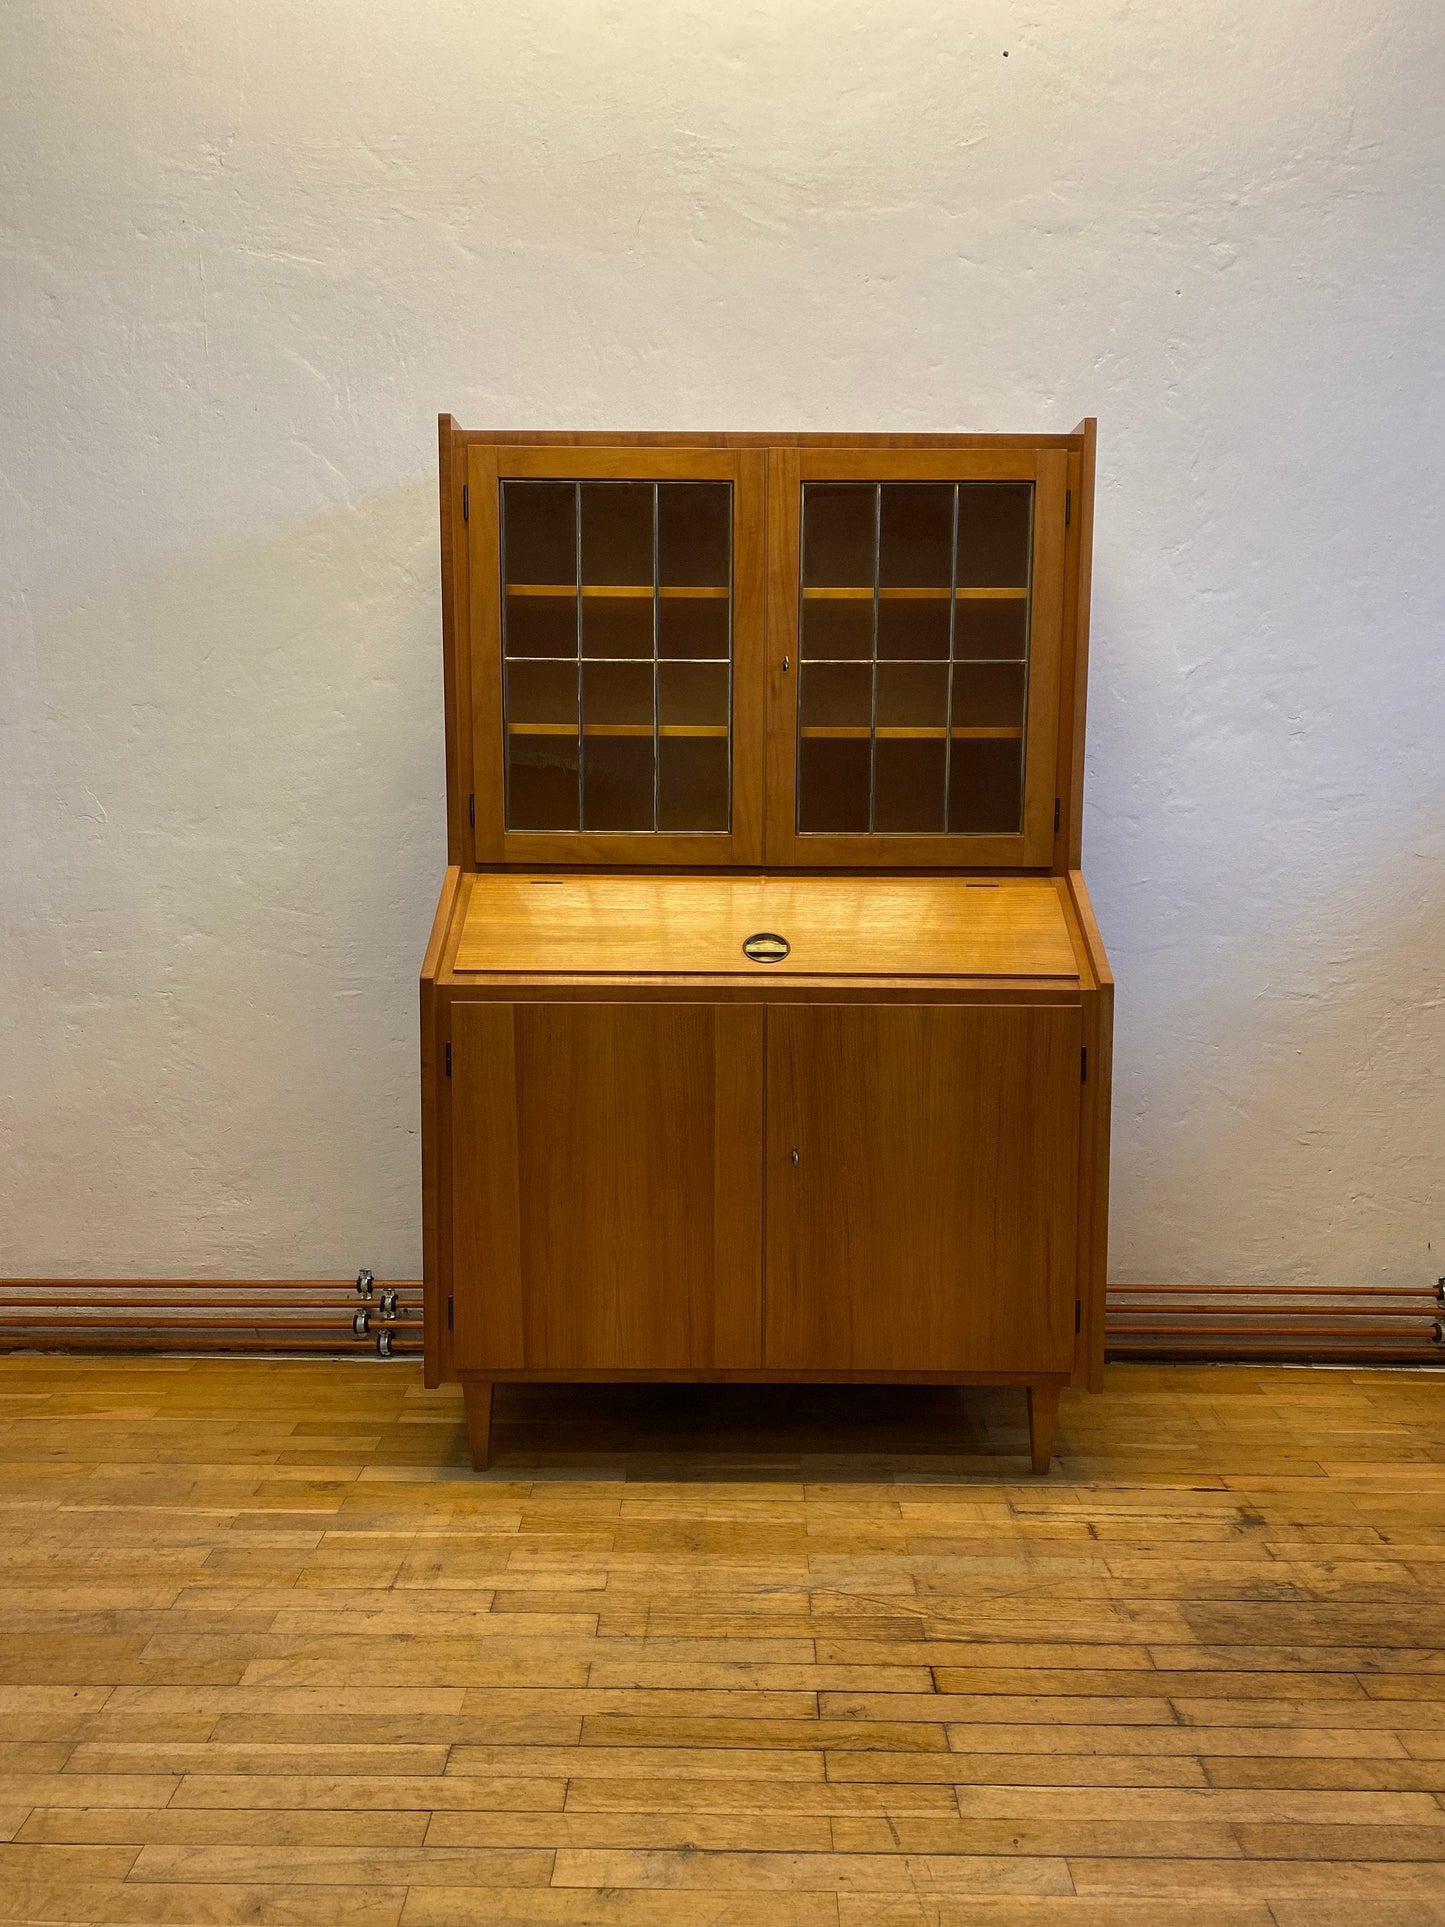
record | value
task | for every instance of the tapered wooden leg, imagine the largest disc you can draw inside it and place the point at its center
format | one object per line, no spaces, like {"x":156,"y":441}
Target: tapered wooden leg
{"x":477,"y":1403}
{"x":1043,"y":1416}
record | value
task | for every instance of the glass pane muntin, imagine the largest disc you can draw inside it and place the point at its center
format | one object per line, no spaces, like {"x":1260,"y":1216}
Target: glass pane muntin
{"x":648,"y":593}
{"x":925,"y":589}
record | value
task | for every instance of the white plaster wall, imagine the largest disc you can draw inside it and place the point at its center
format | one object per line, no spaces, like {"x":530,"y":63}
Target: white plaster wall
{"x":250,"y":249}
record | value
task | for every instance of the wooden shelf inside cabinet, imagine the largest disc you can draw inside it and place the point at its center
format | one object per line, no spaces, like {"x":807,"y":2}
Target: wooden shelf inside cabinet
{"x":624,"y":591}
{"x":766,"y":1030}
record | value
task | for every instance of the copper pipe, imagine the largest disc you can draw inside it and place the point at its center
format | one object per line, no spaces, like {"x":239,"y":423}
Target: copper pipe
{"x":78,"y":1302}
{"x":1255,"y":1329}
{"x":101,"y":1321}
{"x":1314,"y":1291}
{"x":1195,"y":1312}
{"x":204,"y":1284}
{"x":32,"y":1341}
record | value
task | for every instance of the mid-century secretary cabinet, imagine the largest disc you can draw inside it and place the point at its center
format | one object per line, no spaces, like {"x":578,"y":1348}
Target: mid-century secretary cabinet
{"x":765,"y":1026}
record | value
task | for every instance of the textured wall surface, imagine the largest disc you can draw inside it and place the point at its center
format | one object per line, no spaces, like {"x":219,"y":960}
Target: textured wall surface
{"x":250,"y":250}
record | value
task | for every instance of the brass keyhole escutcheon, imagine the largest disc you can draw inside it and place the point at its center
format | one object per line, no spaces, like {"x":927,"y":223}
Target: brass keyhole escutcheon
{"x":766,"y":947}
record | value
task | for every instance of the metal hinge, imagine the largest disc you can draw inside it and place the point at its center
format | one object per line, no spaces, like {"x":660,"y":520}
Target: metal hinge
{"x":1083,"y":1063}
{"x":467,"y":503}
{"x":452,"y":1327}
{"x":1078,"y":1315}
{"x":1058,"y":805}
{"x":472,"y":811}
{"x":449,"y":1057}
{"x":1068,"y":506}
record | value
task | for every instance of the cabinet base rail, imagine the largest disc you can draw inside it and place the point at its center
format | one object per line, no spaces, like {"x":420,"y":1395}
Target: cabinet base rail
{"x":1043,"y":1394}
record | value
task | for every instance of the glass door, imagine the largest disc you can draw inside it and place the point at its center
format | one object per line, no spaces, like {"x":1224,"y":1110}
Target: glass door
{"x":917,"y":600}
{"x":616,"y":599}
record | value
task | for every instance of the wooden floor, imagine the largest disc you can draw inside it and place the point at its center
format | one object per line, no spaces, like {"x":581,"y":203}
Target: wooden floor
{"x":271,"y":1653}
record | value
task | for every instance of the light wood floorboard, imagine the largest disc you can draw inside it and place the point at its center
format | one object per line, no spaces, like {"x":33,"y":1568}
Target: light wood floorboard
{"x":719,"y":1657}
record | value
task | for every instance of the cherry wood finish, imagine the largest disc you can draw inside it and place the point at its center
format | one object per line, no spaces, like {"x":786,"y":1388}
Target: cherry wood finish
{"x":607,"y":1185}
{"x":834,"y":926}
{"x":613,"y":1090}
{"x":921,"y":1180}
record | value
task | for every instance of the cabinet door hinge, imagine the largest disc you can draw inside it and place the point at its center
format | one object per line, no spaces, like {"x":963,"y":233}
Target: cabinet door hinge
{"x":472,"y":811}
{"x":1058,"y":810}
{"x":1068,"y":506}
{"x":466,"y":503}
{"x":449,"y":1057}
{"x":1078,"y":1315}
{"x":451,"y":1314}
{"x":1083,"y":1063}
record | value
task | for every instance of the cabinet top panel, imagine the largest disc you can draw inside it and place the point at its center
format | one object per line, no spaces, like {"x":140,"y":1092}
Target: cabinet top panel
{"x":807,"y":926}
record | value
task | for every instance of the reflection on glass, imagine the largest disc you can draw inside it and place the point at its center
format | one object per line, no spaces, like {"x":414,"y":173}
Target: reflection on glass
{"x":840,"y":534}
{"x":988,"y":695}
{"x":833,"y":786}
{"x":913,"y":656}
{"x":908,"y":783}
{"x":692,"y":779}
{"x":617,"y":625}
{"x":837,"y":629}
{"x":694,"y":535}
{"x":693,"y":695}
{"x":693,"y":627}
{"x":836,"y":695}
{"x":617,"y":645}
{"x":985,"y":791}
{"x":617,"y":782}
{"x":539,"y":532}
{"x":542,"y":781}
{"x":913,"y":695}
{"x":995,"y":525}
{"x":617,"y":533}
{"x":542,"y":695}
{"x":915,"y":536}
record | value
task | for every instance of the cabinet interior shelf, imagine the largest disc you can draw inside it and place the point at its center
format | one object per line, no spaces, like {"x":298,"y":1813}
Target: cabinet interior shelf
{"x":913,"y":595}
{"x":624,"y":729}
{"x":625,"y":591}
{"x":893,"y":732}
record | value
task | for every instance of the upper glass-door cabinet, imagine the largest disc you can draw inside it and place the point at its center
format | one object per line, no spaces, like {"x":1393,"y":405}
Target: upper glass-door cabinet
{"x":917,"y":604}
{"x":617,"y":598}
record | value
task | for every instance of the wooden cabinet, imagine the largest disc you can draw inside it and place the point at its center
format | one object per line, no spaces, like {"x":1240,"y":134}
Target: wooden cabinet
{"x":607,"y":1186}
{"x":922,"y":1174}
{"x":765,"y":1025}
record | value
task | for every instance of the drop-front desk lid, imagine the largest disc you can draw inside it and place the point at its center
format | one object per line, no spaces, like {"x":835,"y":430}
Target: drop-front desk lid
{"x":765,"y":926}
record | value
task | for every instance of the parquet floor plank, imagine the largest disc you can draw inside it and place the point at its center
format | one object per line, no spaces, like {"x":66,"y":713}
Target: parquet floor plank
{"x":271,"y":1653}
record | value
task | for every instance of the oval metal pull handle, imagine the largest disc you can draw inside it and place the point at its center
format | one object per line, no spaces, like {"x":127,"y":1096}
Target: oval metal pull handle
{"x":786,"y":661}
{"x":795,"y":1157}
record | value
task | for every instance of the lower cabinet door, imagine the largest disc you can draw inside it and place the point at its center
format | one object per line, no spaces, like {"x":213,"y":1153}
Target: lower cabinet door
{"x":606,"y":1177}
{"x":922,"y":1173}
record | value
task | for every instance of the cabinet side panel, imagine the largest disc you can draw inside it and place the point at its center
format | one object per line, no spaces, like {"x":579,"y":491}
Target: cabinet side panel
{"x":736,"y":1337}
{"x":1095,"y":1146}
{"x":431,"y":1261}
{"x":922,"y":1184}
{"x":486,"y":1270}
{"x":1074,"y":804}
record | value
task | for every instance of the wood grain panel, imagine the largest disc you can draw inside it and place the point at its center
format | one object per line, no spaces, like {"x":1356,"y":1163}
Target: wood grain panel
{"x":922,"y":1170}
{"x":485,"y":1167}
{"x":608,"y":1209}
{"x":837,"y":926}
